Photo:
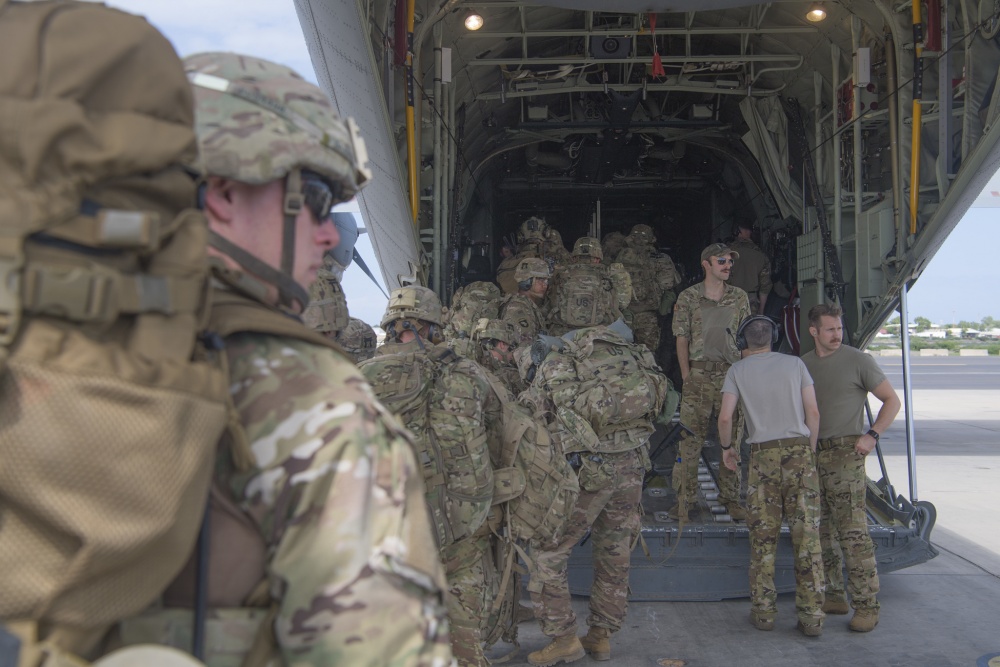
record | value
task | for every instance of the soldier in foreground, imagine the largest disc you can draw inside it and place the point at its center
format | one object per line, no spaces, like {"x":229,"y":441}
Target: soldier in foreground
{"x":451,"y":407}
{"x":321,"y":480}
{"x":782,"y":426}
{"x":844,"y":377}
{"x":524,"y":309}
{"x":705,"y":316}
{"x":606,"y":392}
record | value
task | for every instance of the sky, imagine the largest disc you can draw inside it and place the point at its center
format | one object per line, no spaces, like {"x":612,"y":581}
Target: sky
{"x":956,"y":285}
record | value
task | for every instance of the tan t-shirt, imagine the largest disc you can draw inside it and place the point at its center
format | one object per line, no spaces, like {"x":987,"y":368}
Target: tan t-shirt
{"x":843,"y":380}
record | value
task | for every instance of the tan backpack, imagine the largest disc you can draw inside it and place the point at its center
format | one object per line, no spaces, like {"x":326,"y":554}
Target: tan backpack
{"x":108,"y":427}
{"x":583,"y":296}
{"x":470,"y":303}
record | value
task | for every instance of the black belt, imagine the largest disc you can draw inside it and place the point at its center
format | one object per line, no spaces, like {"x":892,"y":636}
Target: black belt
{"x":781,"y":442}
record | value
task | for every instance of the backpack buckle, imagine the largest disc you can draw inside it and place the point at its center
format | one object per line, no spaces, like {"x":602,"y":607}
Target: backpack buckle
{"x":73,"y":293}
{"x":10,"y":296}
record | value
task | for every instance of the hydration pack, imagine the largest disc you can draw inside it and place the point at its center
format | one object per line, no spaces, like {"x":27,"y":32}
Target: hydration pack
{"x":646,"y":290}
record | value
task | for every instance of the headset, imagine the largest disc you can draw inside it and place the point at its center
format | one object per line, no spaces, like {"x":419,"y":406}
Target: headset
{"x":741,"y":339}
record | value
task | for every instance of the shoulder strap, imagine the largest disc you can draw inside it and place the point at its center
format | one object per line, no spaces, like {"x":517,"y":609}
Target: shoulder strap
{"x":233,"y":313}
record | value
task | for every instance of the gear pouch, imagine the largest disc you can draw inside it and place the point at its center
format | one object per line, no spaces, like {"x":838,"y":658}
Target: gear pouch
{"x":595,"y":475}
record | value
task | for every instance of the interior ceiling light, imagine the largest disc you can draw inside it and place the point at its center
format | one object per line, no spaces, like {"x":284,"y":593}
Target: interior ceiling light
{"x":816,"y":13}
{"x":474,"y":21}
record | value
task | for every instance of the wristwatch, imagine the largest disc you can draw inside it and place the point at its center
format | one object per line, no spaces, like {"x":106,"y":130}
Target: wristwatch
{"x":873,"y":433}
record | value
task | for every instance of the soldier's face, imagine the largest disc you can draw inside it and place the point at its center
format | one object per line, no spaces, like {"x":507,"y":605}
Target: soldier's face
{"x":829,"y":334}
{"x":719,"y":267}
{"x":312,"y":237}
{"x":539,"y":286}
{"x":502,"y":353}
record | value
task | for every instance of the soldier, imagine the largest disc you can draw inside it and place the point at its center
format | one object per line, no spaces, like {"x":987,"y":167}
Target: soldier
{"x":782,"y":426}
{"x":523,"y":309}
{"x":606,"y":392}
{"x":585,"y":292}
{"x":612,"y":243}
{"x":530,"y":243}
{"x":752,"y":271}
{"x":452,"y":408}
{"x":497,"y":341}
{"x":704,"y":317}
{"x":318,"y":485}
{"x":553,"y":248}
{"x":653,"y":278}
{"x":844,"y":377}
{"x":358,"y":340}
{"x":327,"y":311}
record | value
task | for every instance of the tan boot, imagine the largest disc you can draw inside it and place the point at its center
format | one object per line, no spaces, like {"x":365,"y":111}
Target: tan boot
{"x":864,"y":620}
{"x":836,"y":607}
{"x":736,"y":512}
{"x":597,"y":642}
{"x":562,"y":649}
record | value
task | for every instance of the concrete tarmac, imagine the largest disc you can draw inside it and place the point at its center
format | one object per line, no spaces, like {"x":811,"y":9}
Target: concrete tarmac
{"x":943,"y":613}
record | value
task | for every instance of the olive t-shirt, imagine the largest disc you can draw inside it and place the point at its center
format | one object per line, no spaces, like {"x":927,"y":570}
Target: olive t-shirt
{"x":769,"y":385}
{"x":843,"y":380}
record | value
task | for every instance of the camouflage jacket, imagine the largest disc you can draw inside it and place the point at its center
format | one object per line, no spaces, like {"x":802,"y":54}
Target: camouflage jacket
{"x":703,"y":322}
{"x":337,"y":494}
{"x":525,"y":315}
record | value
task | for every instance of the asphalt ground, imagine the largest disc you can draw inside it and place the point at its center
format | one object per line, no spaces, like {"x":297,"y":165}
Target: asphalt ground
{"x":942,"y":613}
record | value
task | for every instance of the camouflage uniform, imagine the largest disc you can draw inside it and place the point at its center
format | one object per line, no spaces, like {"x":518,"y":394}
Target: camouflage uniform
{"x":327,"y":310}
{"x":314,"y":464}
{"x":337,"y":492}
{"x":531,"y":242}
{"x":702,"y":389}
{"x":843,"y":481}
{"x":612,"y":243}
{"x":358,"y":340}
{"x":525,"y":315}
{"x":751,"y":272}
{"x":465,"y":400}
{"x":554,"y":249}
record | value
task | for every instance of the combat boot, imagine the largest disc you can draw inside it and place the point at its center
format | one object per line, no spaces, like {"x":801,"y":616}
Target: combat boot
{"x":811,"y":630}
{"x":736,"y":512}
{"x":836,"y":607}
{"x":597,"y":642}
{"x":562,"y":649}
{"x":760,"y":622}
{"x":864,"y":620}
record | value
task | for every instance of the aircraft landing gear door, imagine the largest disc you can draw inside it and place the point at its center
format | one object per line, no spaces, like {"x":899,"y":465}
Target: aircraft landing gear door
{"x":811,"y":281}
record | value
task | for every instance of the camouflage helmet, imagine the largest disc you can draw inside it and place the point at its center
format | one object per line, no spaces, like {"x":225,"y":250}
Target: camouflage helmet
{"x":533,"y":228}
{"x":495,"y":329}
{"x":413,"y":302}
{"x":532,"y":267}
{"x":588,"y":246}
{"x":358,"y":340}
{"x":641,"y":235}
{"x":327,"y":309}
{"x":257,"y":121}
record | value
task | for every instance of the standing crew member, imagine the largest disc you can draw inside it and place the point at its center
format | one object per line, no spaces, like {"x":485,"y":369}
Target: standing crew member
{"x":705,"y":316}
{"x":752,"y":271}
{"x":782,"y":426}
{"x":844,"y":377}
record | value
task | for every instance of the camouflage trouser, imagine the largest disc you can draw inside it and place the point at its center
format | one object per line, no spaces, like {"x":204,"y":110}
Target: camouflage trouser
{"x":609,"y":504}
{"x":700,"y":402}
{"x":646,"y":327}
{"x":783,"y":482}
{"x":467,"y":564}
{"x":844,"y":520}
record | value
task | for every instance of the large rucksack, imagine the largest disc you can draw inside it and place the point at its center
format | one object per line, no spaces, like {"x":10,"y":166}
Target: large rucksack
{"x":646,"y":290}
{"x":107,"y":426}
{"x":431,"y":392}
{"x":470,"y":303}
{"x":601,"y":384}
{"x":582,"y":296}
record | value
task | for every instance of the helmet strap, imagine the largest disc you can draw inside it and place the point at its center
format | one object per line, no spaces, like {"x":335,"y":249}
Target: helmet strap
{"x":289,"y":291}
{"x":294,"y":202}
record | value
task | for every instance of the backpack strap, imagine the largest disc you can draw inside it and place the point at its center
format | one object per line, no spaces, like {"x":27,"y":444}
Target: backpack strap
{"x":235,"y":313}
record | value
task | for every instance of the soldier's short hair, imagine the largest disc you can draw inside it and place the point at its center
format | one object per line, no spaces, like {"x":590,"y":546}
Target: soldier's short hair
{"x":823,"y":310}
{"x":758,"y":334}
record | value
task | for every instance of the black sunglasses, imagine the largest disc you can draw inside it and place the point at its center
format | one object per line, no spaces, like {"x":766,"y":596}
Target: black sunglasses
{"x":319,"y":194}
